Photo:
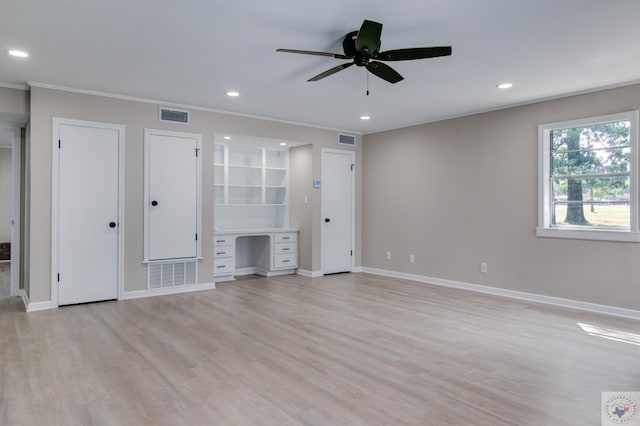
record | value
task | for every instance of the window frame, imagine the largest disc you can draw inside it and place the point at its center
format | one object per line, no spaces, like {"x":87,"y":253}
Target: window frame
{"x":545,"y":228}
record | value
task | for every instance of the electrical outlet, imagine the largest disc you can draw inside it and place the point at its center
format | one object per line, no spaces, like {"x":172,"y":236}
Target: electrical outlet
{"x":388,"y":255}
{"x":484,"y":268}
{"x":412,"y":258}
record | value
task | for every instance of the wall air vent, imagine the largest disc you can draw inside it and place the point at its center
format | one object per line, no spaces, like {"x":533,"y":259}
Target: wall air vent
{"x":344,"y":139}
{"x":172,"y":115}
{"x":171,"y":274}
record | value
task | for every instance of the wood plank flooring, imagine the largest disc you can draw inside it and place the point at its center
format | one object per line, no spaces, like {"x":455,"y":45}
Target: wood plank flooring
{"x":349,"y":349}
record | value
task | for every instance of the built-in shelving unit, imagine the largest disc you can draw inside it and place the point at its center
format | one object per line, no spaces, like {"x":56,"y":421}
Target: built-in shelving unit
{"x":250,"y":187}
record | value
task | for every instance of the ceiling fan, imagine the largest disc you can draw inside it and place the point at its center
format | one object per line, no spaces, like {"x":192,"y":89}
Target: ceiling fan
{"x":363,"y":47}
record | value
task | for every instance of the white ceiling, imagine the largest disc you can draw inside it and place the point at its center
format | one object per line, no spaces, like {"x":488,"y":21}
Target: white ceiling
{"x":192,"y":51}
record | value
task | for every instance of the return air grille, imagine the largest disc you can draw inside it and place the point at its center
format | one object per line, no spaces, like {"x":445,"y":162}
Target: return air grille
{"x":171,"y":274}
{"x":344,"y":139}
{"x":171,"y":115}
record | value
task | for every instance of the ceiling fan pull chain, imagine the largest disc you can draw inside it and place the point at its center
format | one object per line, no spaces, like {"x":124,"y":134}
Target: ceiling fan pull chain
{"x":367,"y":83}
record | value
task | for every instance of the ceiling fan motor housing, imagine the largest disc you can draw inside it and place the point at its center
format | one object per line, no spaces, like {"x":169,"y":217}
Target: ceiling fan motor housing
{"x":361,"y":57}
{"x":349,"y":44}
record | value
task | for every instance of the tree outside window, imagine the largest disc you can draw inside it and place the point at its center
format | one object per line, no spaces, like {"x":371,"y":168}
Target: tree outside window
{"x":588,"y":176}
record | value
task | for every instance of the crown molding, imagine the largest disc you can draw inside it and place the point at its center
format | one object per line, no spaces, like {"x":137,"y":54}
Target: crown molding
{"x":14,"y":86}
{"x":177,"y":105}
{"x":513,"y":105}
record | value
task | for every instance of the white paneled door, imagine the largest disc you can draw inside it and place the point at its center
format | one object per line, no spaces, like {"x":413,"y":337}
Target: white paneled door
{"x":172,"y":194}
{"x":337,"y":210}
{"x":88,"y":210}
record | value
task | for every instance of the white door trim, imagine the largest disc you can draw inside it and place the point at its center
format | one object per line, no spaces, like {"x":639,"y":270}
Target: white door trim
{"x":353,"y":204}
{"x":16,"y":158}
{"x":147,"y":196}
{"x":55,"y":188}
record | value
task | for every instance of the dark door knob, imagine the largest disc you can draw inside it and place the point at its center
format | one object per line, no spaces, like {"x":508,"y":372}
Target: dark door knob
{"x":154,"y":203}
{"x":327,"y":220}
{"x":112,"y":224}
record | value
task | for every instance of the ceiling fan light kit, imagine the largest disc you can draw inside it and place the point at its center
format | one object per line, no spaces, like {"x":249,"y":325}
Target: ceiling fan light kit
{"x":362,"y":47}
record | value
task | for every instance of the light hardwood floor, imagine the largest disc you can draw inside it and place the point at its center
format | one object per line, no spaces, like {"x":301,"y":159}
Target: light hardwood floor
{"x":350,"y":349}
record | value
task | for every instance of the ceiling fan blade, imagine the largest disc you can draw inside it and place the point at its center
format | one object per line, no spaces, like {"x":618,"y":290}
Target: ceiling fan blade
{"x":310,"y":52}
{"x":384,"y":71}
{"x":414,"y":53}
{"x":369,"y":36}
{"x":331,"y":71}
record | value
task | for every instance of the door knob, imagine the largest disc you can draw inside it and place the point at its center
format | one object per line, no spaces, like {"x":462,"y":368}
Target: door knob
{"x":327,"y":220}
{"x":112,"y":224}
{"x":154,"y":203}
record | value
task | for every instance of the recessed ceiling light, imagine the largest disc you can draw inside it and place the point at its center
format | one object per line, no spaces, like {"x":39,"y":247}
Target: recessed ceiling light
{"x":283,"y":144}
{"x":233,"y":94}
{"x":227,"y":137}
{"x":18,"y":53}
{"x":365,"y":117}
{"x":505,"y":86}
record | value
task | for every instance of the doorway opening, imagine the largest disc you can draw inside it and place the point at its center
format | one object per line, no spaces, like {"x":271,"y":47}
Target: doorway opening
{"x":10,"y":152}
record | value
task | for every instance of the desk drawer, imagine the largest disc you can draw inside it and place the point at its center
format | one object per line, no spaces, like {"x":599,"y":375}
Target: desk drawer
{"x":223,"y":240}
{"x":224,"y":266}
{"x":284,"y":248}
{"x":223,"y":251}
{"x":286,"y":237}
{"x":285,"y":261}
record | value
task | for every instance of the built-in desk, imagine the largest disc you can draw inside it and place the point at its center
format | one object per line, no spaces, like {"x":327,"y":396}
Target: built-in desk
{"x":267,"y":252}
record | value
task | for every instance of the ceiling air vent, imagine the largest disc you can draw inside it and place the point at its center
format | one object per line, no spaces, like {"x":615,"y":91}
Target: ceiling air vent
{"x":344,"y":139}
{"x":172,"y":115}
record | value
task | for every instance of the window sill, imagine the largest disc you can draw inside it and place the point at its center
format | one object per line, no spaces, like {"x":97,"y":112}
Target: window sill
{"x":594,"y":235}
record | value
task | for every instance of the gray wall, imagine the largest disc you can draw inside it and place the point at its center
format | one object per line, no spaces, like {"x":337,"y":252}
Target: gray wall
{"x":459,"y":192}
{"x":47,"y":103}
{"x":301,"y":213}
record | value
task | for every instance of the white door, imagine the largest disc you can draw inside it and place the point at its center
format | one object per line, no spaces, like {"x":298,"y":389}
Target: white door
{"x":88,"y":220}
{"x":172,"y":179}
{"x":337,"y":210}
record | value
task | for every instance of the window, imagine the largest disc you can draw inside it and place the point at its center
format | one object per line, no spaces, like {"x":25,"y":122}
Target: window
{"x":588,"y":178}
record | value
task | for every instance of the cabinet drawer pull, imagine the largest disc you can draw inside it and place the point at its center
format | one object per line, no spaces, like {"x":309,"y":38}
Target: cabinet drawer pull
{"x":221,"y":266}
{"x":221,"y":252}
{"x":285,"y":249}
{"x":285,"y":261}
{"x":220,"y":241}
{"x":285,"y":238}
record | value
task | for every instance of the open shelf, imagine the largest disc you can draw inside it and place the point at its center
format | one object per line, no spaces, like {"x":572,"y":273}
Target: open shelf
{"x":250,"y":187}
{"x":275,"y":158}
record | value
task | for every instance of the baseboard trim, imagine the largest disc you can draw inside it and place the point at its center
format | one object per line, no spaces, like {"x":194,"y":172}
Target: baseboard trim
{"x":309,"y":274}
{"x":34,"y":306}
{"x":225,"y":278}
{"x":139,"y":294}
{"x":246,"y":270}
{"x":276,"y":273}
{"x":357,"y":269}
{"x":512,"y":294}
